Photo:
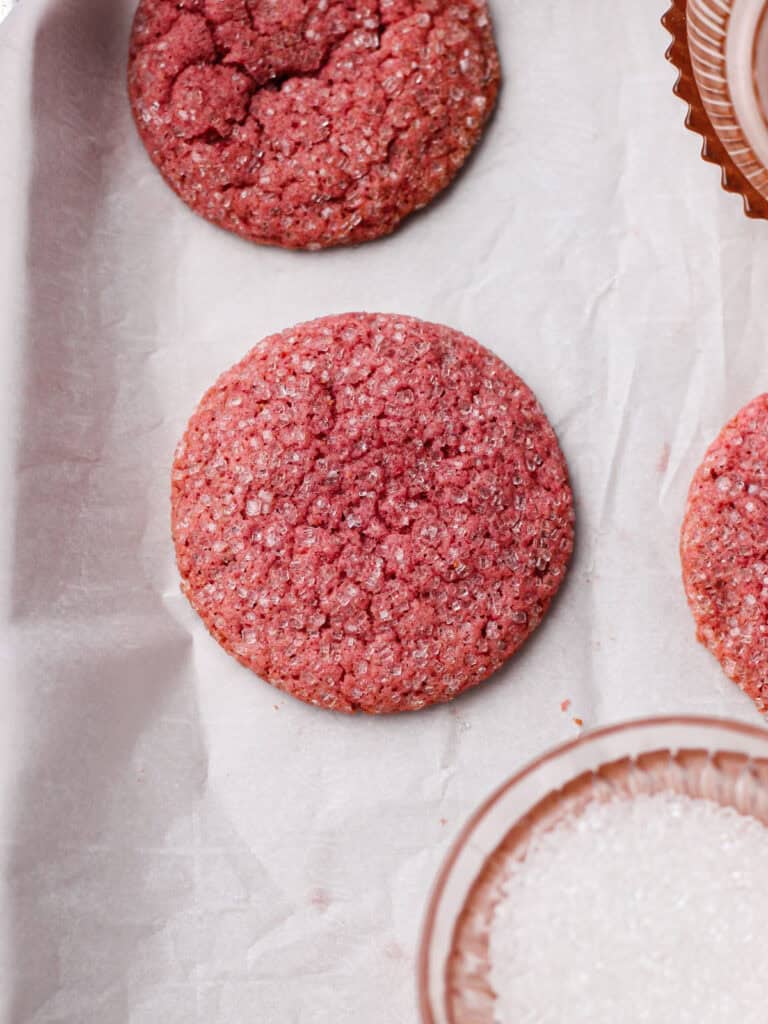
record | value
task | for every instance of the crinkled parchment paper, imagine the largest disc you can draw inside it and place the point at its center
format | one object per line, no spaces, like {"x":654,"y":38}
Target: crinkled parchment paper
{"x":5,"y":8}
{"x":182,"y":843}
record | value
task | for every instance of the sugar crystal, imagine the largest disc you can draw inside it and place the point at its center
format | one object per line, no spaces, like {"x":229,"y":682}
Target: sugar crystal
{"x":648,"y":909}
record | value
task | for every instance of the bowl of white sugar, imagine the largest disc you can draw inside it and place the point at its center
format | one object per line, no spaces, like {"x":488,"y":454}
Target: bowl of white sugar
{"x":621,"y":877}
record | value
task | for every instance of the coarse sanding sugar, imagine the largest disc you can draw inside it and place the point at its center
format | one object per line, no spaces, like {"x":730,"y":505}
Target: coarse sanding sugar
{"x":723,"y":545}
{"x":309,"y":123}
{"x":651,"y":909}
{"x":371,"y":512}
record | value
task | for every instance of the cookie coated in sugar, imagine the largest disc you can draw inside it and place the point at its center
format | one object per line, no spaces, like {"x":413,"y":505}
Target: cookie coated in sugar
{"x":311,"y":123}
{"x":371,"y":512}
{"x":724,"y":549}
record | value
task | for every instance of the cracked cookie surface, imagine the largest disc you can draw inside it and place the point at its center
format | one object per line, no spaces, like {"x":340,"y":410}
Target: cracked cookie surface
{"x":371,"y":512}
{"x":311,"y":123}
{"x":724,"y":549}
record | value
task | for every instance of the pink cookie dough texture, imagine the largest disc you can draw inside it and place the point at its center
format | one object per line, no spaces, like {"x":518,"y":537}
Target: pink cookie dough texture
{"x":371,"y":512}
{"x":724,"y":549}
{"x":311,"y":123}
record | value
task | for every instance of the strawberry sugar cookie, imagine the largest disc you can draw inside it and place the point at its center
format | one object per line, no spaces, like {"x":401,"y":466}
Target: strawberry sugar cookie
{"x":724,"y":549}
{"x":311,"y":123}
{"x":371,"y":512}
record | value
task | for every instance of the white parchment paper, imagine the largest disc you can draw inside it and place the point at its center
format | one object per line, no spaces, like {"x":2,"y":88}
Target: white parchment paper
{"x":180,"y":842}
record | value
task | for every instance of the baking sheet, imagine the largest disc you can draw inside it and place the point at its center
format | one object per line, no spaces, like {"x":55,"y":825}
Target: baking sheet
{"x":180,"y":842}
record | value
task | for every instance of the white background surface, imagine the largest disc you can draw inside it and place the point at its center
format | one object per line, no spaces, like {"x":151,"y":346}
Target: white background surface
{"x":181,"y":843}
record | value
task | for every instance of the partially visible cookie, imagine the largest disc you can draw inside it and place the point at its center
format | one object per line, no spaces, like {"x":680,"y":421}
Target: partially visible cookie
{"x":311,"y":123}
{"x":724,"y":549}
{"x":371,"y":512}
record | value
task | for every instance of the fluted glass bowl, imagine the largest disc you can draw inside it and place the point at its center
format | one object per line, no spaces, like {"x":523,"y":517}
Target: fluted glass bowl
{"x":720,"y":48}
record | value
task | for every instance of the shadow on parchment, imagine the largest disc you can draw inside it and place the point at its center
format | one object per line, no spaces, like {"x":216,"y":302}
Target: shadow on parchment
{"x":91,"y":865}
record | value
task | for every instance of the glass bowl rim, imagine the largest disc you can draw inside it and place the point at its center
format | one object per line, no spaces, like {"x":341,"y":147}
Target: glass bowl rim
{"x":458,"y":845}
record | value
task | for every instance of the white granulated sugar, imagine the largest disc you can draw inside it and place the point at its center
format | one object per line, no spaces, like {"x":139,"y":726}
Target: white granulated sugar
{"x":652,"y":909}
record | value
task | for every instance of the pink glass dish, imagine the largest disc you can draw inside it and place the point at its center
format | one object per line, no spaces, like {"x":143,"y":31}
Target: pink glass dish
{"x":720,"y":48}
{"x":710,"y":758}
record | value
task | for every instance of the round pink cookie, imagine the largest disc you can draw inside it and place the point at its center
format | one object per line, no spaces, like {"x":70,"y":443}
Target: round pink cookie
{"x":724,"y":549}
{"x":311,"y":123}
{"x":371,"y":512}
